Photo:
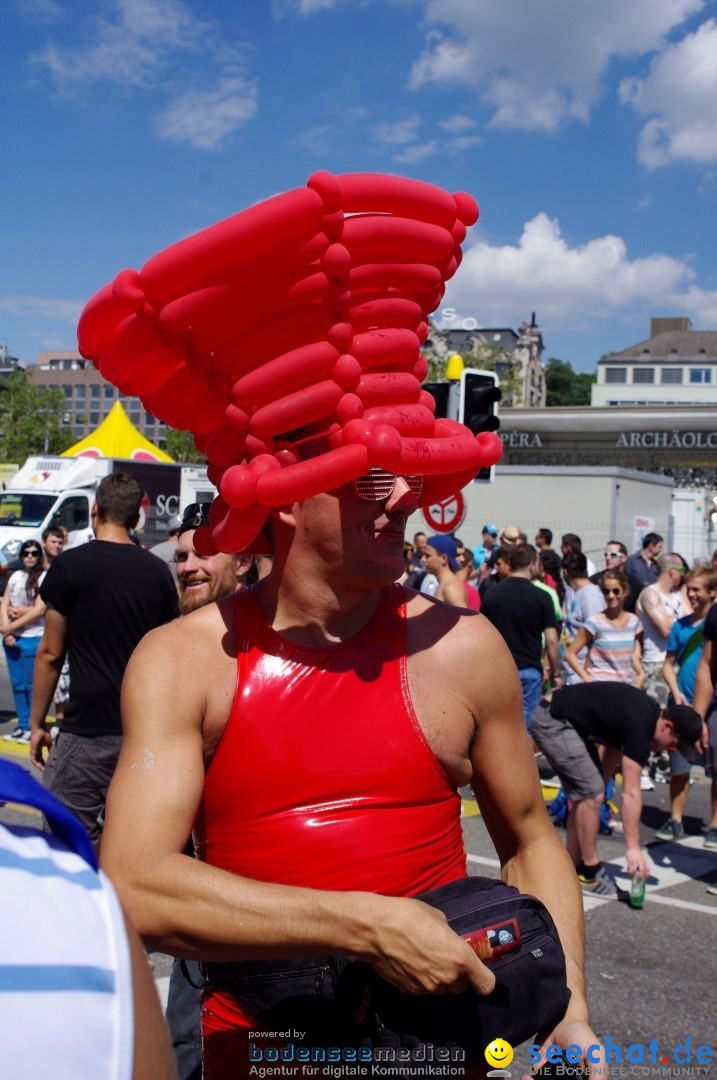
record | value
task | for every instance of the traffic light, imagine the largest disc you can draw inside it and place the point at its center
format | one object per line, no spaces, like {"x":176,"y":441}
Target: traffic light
{"x":478,"y":408}
{"x":439,"y":393}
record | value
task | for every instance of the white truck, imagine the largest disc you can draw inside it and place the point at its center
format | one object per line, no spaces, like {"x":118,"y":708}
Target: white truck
{"x":58,"y":490}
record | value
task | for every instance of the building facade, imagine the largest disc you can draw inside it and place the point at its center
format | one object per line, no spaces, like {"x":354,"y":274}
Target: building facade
{"x":88,"y":397}
{"x":676,"y":365}
{"x":515,"y":357}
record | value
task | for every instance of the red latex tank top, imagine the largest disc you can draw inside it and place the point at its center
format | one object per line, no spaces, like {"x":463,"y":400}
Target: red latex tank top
{"x":323,"y":777}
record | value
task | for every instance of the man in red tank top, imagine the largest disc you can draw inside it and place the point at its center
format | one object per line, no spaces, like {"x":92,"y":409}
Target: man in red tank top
{"x":334,"y":555}
{"x":312,"y":732}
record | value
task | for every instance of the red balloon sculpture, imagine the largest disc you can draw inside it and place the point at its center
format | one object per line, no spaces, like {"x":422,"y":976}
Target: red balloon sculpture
{"x":299,"y":318}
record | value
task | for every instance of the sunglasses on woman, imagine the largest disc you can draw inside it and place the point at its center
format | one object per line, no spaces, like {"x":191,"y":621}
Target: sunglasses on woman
{"x":377,"y":485}
{"x":612,"y":592}
{"x":31,"y":553}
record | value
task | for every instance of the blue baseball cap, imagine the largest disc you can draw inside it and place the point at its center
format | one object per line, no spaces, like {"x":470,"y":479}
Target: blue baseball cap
{"x":492,"y":529}
{"x":446,"y":545}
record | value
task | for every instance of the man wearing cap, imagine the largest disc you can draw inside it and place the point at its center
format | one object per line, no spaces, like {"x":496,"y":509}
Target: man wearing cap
{"x":201,"y":580}
{"x":440,"y":559}
{"x":166,"y":549}
{"x":489,"y":544}
{"x":314,"y":730}
{"x":628,"y":724}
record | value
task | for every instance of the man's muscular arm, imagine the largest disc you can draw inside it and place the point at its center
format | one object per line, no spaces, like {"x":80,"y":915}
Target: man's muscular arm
{"x":190,"y":909}
{"x":507,"y":787}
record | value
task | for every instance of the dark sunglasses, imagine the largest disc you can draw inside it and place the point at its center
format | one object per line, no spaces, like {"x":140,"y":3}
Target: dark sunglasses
{"x":377,"y":485}
{"x":611,"y":592}
{"x":33,"y":552}
{"x":195,"y":515}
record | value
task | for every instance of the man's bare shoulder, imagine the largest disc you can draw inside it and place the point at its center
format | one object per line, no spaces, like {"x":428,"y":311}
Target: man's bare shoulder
{"x":202,"y":633}
{"x":451,"y":630}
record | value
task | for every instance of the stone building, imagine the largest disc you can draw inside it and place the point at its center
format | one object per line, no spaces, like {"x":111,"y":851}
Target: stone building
{"x":676,"y":365}
{"x":515,"y":357}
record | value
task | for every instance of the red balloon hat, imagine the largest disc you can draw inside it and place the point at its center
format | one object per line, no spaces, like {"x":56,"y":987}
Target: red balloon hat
{"x":300,"y":317}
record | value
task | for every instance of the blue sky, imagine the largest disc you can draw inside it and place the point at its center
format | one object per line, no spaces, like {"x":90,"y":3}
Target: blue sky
{"x":586,"y":129}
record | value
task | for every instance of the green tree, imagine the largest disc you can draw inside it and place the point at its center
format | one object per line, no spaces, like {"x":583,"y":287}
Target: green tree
{"x":180,"y":446}
{"x":31,"y":419}
{"x":485,"y":356}
{"x":565,"y":386}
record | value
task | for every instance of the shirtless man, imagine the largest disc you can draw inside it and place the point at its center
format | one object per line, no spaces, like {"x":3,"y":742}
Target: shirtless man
{"x":334,"y":557}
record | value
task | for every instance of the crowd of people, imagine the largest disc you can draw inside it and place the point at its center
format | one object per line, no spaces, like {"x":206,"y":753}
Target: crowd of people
{"x":642,"y":622}
{"x":615,"y":670}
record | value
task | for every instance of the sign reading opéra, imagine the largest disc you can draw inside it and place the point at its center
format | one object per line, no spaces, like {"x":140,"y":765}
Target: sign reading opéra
{"x":524,"y":439}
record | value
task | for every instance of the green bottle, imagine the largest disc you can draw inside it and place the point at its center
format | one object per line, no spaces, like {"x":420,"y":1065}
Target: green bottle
{"x":637,"y":891}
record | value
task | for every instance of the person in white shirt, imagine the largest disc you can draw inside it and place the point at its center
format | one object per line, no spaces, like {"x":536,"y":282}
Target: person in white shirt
{"x":658,"y":607}
{"x":22,"y":616}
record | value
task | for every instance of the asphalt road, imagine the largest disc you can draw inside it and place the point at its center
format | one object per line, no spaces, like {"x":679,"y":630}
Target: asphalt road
{"x":651,"y":973}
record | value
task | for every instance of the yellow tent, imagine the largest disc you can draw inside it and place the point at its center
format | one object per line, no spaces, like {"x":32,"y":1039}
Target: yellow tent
{"x":117,"y":437}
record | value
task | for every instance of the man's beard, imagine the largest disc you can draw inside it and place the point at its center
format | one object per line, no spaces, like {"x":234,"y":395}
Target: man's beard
{"x":192,"y":599}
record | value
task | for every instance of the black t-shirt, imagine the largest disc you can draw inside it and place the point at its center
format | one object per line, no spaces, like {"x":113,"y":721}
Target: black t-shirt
{"x":616,"y":714}
{"x":710,"y":630}
{"x":520,"y":612}
{"x":111,"y":595}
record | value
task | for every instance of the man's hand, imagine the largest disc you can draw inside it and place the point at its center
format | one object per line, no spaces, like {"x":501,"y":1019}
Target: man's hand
{"x":420,"y":954}
{"x":40,"y":741}
{"x":576,"y":1033}
{"x":637,"y":863}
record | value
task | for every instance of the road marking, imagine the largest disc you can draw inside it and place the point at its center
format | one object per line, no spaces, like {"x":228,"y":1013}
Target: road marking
{"x":470,"y":808}
{"x":23,"y":808}
{"x":685,"y":861}
{"x":483,"y":860}
{"x":162,"y":984}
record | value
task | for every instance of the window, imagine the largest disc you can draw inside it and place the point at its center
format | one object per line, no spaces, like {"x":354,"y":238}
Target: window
{"x":108,"y":393}
{"x":615,"y":375}
{"x":67,"y":391}
{"x":94,"y":419}
{"x":95,"y":392}
{"x":643,"y":375}
{"x":672,"y":376}
{"x":79,"y":393}
{"x":700,"y":375}
{"x":73,"y":513}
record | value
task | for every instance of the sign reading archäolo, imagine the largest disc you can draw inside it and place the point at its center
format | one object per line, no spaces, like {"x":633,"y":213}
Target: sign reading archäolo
{"x":668,"y":440}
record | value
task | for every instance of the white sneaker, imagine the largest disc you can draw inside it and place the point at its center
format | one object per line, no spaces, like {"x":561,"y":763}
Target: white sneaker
{"x":646,"y":783}
{"x":18,"y":736}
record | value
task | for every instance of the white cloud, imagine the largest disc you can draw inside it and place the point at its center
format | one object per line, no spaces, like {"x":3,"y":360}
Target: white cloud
{"x":537,"y":65}
{"x":398,"y":132}
{"x":129,"y":49}
{"x":315,"y":140}
{"x":35,"y":11}
{"x":204,"y":118}
{"x":463,"y":142}
{"x":457,"y":123}
{"x":301,"y":7}
{"x":572,"y":286}
{"x":418,"y":151}
{"x":139,"y":46}
{"x":40,"y":307}
{"x":679,"y":96}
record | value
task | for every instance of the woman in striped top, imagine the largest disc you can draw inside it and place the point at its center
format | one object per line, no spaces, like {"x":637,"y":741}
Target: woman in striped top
{"x":613,"y":639}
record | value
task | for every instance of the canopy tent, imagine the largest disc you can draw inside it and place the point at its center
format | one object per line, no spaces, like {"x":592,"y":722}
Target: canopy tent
{"x":117,"y":437}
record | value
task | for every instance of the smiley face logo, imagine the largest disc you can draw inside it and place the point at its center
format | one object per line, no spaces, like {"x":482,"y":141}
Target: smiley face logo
{"x":499,"y":1053}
